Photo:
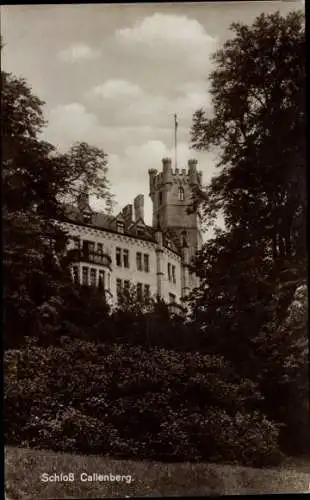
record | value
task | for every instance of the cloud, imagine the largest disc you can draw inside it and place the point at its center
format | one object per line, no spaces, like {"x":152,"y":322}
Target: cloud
{"x":173,"y":38}
{"x":165,"y":29}
{"x":136,"y":160}
{"x":126,"y":103}
{"x":140,"y":147}
{"x":70,"y":123}
{"x":115,"y":89}
{"x":78,"y":51}
{"x":73,"y":122}
{"x":190,"y":97}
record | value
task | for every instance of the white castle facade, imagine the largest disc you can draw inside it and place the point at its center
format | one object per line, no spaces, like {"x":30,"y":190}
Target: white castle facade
{"x":116,"y":252}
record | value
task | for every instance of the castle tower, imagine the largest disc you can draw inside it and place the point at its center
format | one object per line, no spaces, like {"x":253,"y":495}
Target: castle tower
{"x":171,"y":192}
{"x":138,"y":204}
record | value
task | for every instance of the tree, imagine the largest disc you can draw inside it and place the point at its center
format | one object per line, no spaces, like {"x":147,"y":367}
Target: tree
{"x":36,"y":178}
{"x":283,"y":371}
{"x":28,"y":260}
{"x":84,"y":167}
{"x":251,"y":270}
{"x":129,"y":301}
{"x":85,"y":314}
{"x":231,"y":303}
{"x":258,"y":123}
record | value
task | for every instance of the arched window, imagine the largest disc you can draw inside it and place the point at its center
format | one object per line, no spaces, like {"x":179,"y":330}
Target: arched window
{"x":181,"y":194}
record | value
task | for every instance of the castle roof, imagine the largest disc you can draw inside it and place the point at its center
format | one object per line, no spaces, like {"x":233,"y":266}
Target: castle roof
{"x":105,"y":222}
{"x":101,"y":221}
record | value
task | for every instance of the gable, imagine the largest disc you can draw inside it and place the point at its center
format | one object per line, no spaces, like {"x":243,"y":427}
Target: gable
{"x":119,"y":218}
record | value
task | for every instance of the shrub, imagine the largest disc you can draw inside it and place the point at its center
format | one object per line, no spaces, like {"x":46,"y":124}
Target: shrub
{"x":128,"y":401}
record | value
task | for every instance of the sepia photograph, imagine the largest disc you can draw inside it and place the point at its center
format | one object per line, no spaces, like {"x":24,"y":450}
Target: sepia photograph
{"x":155,"y":292}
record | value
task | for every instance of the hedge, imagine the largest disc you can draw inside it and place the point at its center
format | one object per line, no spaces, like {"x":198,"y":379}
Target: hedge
{"x":128,"y":401}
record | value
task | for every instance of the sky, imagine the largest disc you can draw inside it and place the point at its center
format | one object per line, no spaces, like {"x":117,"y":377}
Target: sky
{"x":113,"y":75}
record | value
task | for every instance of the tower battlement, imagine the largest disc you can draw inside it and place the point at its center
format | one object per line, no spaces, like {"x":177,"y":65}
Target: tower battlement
{"x":169,"y":174}
{"x":171,"y":191}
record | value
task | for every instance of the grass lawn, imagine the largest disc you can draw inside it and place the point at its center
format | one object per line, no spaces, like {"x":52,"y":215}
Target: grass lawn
{"x":24,"y":467}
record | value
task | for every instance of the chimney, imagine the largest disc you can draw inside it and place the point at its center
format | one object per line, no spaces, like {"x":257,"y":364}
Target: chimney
{"x":152,"y":176}
{"x":138,"y":203}
{"x":127,"y":213}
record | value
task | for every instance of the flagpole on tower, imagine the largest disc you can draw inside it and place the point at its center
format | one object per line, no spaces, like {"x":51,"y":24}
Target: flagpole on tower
{"x":175,"y":141}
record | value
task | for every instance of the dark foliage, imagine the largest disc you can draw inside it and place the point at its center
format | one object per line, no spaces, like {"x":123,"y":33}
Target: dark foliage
{"x":258,"y":93}
{"x":35,"y":180}
{"x":128,"y":401}
{"x":250,"y":271}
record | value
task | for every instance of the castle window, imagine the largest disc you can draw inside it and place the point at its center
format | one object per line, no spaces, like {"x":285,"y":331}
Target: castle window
{"x":146,"y":263}
{"x":139,"y":292}
{"x":139,"y":261}
{"x":100,"y":248}
{"x":101,"y":283}
{"x":85,"y":276}
{"x":160,"y":198}
{"x":126,"y":258}
{"x":173,"y":274}
{"x":93,"y":277}
{"x":75,"y":271}
{"x":146,"y":292}
{"x":122,"y":257}
{"x":120,"y":226}
{"x":118,"y":257}
{"x":91,"y":248}
{"x":126,"y":287}
{"x":109,"y":281}
{"x":169,"y":271}
{"x":118,"y":288}
{"x":88,"y":249}
{"x":181,"y":194}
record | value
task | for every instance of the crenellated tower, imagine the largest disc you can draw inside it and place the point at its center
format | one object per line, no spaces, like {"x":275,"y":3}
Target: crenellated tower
{"x":171,"y":192}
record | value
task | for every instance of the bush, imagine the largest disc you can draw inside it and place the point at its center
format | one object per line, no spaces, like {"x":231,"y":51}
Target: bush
{"x":282,"y":370}
{"x":128,"y":401}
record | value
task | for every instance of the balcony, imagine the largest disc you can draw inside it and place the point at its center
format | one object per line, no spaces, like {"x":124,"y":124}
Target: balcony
{"x":101,"y":259}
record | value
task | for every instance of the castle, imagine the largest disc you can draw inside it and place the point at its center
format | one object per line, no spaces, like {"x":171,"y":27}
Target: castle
{"x":115,"y":252}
